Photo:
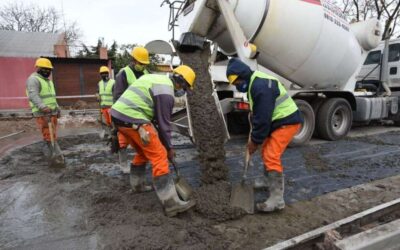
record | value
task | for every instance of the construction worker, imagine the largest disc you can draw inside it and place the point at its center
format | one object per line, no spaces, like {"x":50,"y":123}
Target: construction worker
{"x":42,"y":100}
{"x":126,"y":77}
{"x":151,"y":99}
{"x":105,"y":97}
{"x":275,"y":121}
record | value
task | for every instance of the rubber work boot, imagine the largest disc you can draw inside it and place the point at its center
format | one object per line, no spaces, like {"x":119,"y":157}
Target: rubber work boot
{"x":123,"y":160}
{"x":137,"y":179}
{"x":261,"y":182}
{"x":47,"y":149}
{"x":166,"y":192}
{"x":276,"y":189}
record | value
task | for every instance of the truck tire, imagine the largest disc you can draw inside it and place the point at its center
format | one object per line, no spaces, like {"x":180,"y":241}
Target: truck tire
{"x":307,"y":129}
{"x":334,"y":119}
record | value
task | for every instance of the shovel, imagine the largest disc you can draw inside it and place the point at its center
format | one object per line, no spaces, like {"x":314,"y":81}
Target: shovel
{"x":183,"y":188}
{"x":56,"y":159}
{"x":242,"y":195}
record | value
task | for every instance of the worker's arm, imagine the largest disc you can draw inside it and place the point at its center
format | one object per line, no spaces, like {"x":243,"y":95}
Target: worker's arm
{"x":33,"y":90}
{"x":121,"y":84}
{"x":264,"y":96}
{"x":163,"y":105}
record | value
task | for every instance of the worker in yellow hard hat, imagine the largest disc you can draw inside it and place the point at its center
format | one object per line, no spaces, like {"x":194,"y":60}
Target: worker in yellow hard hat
{"x":275,"y":120}
{"x":42,"y":100}
{"x":125,"y":78}
{"x":105,"y":91}
{"x":147,"y":104}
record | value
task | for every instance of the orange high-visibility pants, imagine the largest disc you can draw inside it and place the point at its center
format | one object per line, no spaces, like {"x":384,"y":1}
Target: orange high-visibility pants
{"x":106,"y":116}
{"x":122,"y":140}
{"x":154,"y":152}
{"x":274,"y":146}
{"x":42,"y":122}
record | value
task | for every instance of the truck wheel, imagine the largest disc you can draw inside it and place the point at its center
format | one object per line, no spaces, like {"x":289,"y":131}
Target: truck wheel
{"x":334,"y":119}
{"x":307,"y":129}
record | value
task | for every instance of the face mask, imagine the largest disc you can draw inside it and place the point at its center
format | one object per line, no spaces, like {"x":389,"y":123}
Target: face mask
{"x":44,"y":72}
{"x":139,"y":67}
{"x":104,"y":77}
{"x":179,"y":92}
{"x":242,"y":86}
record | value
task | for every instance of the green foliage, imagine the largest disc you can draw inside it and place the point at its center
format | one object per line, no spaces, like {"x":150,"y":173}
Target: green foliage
{"x":119,"y":55}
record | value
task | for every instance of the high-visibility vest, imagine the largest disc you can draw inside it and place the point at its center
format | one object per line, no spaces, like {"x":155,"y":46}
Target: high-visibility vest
{"x":284,"y":104}
{"x":130,"y":76}
{"x":47,"y":94}
{"x":136,"y":102}
{"x":105,"y":92}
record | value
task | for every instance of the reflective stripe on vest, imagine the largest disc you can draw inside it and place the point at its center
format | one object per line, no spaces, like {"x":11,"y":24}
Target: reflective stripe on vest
{"x":284,"y":104}
{"x":47,"y":94}
{"x":105,"y":92}
{"x":136,"y":102}
{"x":130,"y":76}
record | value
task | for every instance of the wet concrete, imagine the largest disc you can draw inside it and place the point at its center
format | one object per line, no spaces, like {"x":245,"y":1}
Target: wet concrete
{"x":89,"y":205}
{"x":207,"y":123}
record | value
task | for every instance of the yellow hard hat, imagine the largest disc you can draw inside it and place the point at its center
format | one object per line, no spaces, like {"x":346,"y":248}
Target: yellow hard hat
{"x":141,"y":55}
{"x":187,"y":73}
{"x":232,"y":78}
{"x":43,"y":63}
{"x":104,"y":69}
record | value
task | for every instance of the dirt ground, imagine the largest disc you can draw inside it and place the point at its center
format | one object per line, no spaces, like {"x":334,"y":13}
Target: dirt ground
{"x":89,"y":204}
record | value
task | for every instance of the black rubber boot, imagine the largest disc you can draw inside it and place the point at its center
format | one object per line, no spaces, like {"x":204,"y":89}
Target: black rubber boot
{"x":137,"y":179}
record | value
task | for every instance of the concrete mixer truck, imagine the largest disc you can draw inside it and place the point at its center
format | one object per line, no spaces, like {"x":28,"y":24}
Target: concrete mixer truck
{"x":307,"y":42}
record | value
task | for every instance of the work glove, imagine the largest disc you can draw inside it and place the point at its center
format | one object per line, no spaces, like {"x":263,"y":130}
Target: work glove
{"x":252,"y":147}
{"x":45,"y":109}
{"x":144,"y":135}
{"x":171,"y":154}
{"x":97,"y":97}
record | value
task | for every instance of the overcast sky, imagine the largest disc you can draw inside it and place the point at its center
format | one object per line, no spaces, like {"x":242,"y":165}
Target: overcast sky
{"x":125,"y":21}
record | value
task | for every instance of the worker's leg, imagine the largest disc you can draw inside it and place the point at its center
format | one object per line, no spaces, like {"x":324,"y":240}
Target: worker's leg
{"x":42,"y":123}
{"x":106,"y":116}
{"x":164,"y":185}
{"x":272,"y":150}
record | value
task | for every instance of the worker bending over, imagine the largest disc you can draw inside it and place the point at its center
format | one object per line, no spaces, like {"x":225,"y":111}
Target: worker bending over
{"x":151,"y":99}
{"x":275,"y":121}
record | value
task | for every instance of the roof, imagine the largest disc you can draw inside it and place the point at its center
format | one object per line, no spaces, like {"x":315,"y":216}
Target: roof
{"x":28,"y":44}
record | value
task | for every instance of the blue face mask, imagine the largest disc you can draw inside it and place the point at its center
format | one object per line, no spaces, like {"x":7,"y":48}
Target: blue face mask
{"x":242,"y":86}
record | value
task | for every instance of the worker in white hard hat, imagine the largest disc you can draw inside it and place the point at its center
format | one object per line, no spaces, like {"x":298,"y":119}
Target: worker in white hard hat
{"x":145,"y":104}
{"x":125,"y":78}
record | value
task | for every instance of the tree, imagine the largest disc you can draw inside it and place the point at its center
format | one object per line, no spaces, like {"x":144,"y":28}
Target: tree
{"x":31,"y":18}
{"x":388,"y":11}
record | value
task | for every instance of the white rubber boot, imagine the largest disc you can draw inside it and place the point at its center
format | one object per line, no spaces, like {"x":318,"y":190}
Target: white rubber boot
{"x":276,"y":189}
{"x":124,"y":164}
{"x":261,"y":182}
{"x":166,"y":192}
{"x":137,"y":179}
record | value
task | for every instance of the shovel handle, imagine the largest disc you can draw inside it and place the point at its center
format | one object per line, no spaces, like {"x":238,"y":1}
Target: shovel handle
{"x":173,"y":162}
{"x":51,"y":132}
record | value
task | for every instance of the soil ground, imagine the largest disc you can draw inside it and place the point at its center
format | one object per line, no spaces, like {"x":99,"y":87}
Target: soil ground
{"x":89,"y":204}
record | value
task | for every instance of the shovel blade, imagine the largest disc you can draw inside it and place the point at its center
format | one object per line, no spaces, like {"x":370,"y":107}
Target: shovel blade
{"x":183,"y":188}
{"x":242,"y":196}
{"x":57,"y":161}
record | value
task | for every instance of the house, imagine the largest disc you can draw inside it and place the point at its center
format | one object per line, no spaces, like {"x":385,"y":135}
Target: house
{"x":72,"y":76}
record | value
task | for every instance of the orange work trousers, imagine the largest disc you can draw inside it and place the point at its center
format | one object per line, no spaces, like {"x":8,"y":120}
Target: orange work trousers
{"x":106,"y":116}
{"x":154,"y":152}
{"x":43,"y":125}
{"x":274,"y":146}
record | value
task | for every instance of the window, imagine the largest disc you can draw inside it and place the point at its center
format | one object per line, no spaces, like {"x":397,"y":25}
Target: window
{"x":373,"y":57}
{"x":394,"y":52}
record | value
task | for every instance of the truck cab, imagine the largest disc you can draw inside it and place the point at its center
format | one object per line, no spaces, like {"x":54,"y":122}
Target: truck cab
{"x":369,"y":76}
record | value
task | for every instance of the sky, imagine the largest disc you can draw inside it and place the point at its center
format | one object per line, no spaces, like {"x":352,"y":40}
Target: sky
{"x":125,"y":21}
